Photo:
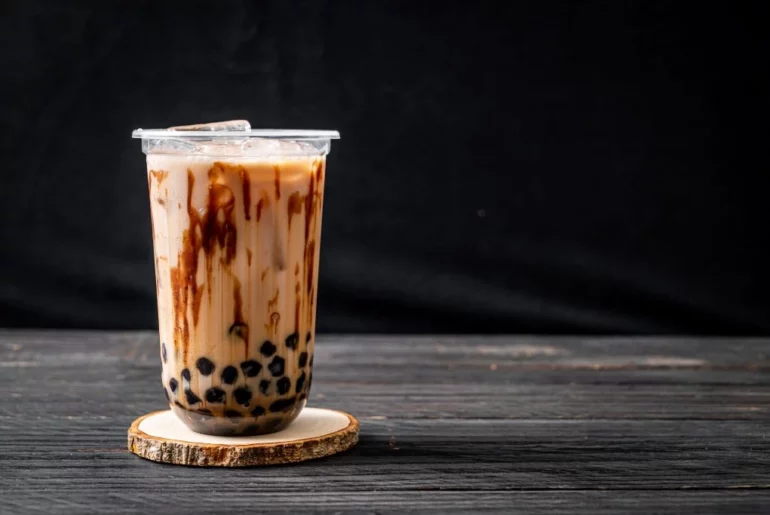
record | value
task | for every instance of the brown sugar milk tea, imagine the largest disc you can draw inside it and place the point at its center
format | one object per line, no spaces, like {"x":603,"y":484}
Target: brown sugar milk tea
{"x":236,"y":228}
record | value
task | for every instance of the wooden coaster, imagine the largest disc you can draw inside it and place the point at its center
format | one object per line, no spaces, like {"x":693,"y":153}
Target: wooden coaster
{"x":316,"y":433}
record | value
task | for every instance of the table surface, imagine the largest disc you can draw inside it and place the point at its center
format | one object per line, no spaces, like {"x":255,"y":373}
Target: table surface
{"x":507,"y":424}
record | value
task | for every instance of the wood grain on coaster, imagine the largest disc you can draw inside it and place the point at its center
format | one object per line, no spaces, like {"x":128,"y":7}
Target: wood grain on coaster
{"x":317,"y":433}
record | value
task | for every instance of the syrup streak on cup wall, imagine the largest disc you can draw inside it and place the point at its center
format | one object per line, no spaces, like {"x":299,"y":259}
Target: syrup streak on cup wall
{"x":236,"y":228}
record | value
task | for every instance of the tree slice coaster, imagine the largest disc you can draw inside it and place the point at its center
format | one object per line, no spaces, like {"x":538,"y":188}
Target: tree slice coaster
{"x":316,"y":433}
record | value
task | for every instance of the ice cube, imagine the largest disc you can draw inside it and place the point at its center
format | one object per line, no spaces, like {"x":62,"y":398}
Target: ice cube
{"x":269,"y":146}
{"x":259,"y":146}
{"x":169,"y":146}
{"x":230,"y":125}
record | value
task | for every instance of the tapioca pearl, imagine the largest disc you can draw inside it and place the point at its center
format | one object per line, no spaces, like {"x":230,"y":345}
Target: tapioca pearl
{"x":276,"y":366}
{"x":239,"y":329}
{"x":250,"y":368}
{"x":264,"y":386}
{"x":168,"y":397}
{"x":282,"y":404}
{"x":272,"y":425}
{"x":233,"y":414}
{"x":258,"y":411}
{"x":204,"y":411}
{"x":173,"y":384}
{"x":283,"y":385}
{"x":309,"y":381}
{"x":229,"y":374}
{"x":300,"y":382}
{"x":242,"y":396}
{"x":292,"y":340}
{"x":163,"y":352}
{"x":267,"y":349}
{"x":179,"y":404}
{"x":215,"y":395}
{"x":302,"y":397}
{"x":191,"y":397}
{"x":302,"y":361}
{"x":252,"y":428}
{"x":311,"y":360}
{"x":308,"y":337}
{"x":204,"y":366}
{"x":186,"y":375}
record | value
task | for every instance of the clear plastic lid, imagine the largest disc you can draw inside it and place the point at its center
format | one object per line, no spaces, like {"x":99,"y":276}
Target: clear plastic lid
{"x":234,"y":138}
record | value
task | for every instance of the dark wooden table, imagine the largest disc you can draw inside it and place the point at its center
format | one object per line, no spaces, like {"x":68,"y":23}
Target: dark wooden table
{"x":508,"y":424}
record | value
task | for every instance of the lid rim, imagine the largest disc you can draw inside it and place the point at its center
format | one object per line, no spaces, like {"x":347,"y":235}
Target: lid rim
{"x":294,"y":134}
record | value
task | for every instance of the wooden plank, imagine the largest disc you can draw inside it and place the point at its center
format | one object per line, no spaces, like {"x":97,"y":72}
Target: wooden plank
{"x":422,"y":454}
{"x":539,"y":352}
{"x":89,"y":393}
{"x":125,"y":368}
{"x":225,"y":499}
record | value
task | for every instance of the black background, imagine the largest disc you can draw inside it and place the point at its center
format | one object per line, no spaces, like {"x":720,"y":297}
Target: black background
{"x":504,"y":167}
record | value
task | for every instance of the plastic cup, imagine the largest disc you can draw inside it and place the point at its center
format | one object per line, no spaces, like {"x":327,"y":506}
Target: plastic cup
{"x":236,"y":229}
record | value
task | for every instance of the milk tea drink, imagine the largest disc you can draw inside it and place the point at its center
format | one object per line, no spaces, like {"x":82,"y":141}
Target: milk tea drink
{"x":236,"y":227}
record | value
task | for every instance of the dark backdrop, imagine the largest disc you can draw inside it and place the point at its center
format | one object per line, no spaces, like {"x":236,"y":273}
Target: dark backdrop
{"x":504,"y":166}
